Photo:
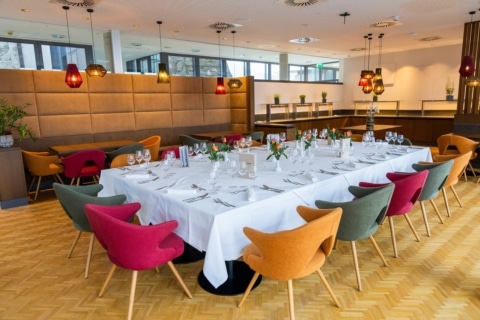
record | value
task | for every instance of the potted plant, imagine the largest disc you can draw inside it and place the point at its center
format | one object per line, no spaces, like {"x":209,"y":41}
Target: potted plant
{"x":276,"y":98}
{"x":374,"y":97}
{"x":449,"y":90}
{"x":324,"y":96}
{"x":302,"y":98}
{"x":10,"y":121}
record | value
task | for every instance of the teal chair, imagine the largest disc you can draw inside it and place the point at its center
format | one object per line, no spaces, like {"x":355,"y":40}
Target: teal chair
{"x":186,"y":140}
{"x":73,"y":199}
{"x":257,"y":136}
{"x":437,"y":175}
{"x":361,"y":218}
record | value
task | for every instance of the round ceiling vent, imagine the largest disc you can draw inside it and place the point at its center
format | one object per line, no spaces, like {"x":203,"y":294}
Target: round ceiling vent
{"x":222,"y":26}
{"x":300,"y":3}
{"x":303,"y":40}
{"x":427,"y":39}
{"x":77,"y":3}
{"x":385,"y":24}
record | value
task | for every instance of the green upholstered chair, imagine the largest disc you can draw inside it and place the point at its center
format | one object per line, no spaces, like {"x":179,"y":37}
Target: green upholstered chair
{"x":437,"y":175}
{"x":257,"y":136}
{"x":131,"y":148}
{"x":186,"y":140}
{"x":361,"y":218}
{"x":73,"y":199}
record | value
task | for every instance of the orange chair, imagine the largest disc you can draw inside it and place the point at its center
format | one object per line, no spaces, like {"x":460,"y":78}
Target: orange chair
{"x":293,"y":254}
{"x":152,"y":143}
{"x":120,"y":161}
{"x":41,"y":164}
{"x":82,"y":164}
{"x":460,"y":162}
{"x":461,"y":145}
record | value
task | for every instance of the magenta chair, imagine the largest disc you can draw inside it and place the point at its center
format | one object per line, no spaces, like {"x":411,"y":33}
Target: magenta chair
{"x":174,"y":149}
{"x":229,"y":139}
{"x":132,"y":246}
{"x":408,"y":187}
{"x":83,"y":164}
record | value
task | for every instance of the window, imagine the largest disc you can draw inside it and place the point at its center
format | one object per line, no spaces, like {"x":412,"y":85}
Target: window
{"x":259,"y":70}
{"x":209,"y":67}
{"x":181,"y":66}
{"x":236,"y":68}
{"x":296,"y":73}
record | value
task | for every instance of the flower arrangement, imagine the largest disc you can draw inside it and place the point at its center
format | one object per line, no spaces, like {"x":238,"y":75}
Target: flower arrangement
{"x":307,"y":139}
{"x":225,"y":146}
{"x":371,"y":110}
{"x":298,"y":134}
{"x":214,"y":154}
{"x":333,"y":133}
{"x":277,"y":150}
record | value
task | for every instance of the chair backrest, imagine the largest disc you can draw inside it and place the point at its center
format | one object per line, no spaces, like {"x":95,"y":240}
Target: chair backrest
{"x":257,"y":136}
{"x":437,"y":176}
{"x":73,"y":199}
{"x":229,"y":139}
{"x":361,"y":216}
{"x":408,"y":187}
{"x":174,"y":149}
{"x":152,"y":143}
{"x":462,"y":145}
{"x":74,"y":163}
{"x":459,"y":164}
{"x":129,"y":245}
{"x":120,"y":161}
{"x":190,"y":141}
{"x":41,"y":163}
{"x":285,"y":254}
{"x":131,"y":148}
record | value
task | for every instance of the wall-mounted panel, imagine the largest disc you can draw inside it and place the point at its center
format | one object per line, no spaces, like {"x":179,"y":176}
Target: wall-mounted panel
{"x":187,"y":118}
{"x":150,"y":102}
{"x":111,"y":103}
{"x":111,"y":83}
{"x":112,"y":122}
{"x":49,"y":104}
{"x":65,"y":125}
{"x":153,"y":120}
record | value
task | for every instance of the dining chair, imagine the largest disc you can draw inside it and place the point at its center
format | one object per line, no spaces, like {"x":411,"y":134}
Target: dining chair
{"x":39,"y":165}
{"x":361,"y":218}
{"x":132,"y":148}
{"x":460,"y":162}
{"x":152,"y":143}
{"x":461,"y":145}
{"x":229,"y":139}
{"x":176,"y":150}
{"x":120,"y":161}
{"x":408,"y":187}
{"x":84,"y":164}
{"x":437,"y":176}
{"x":293,"y":254}
{"x":187,"y":140}
{"x":72,"y":199}
{"x":257,"y":136}
{"x":132,"y":246}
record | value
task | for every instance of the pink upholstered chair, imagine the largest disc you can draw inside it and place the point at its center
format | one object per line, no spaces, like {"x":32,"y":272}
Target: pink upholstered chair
{"x":229,"y":139}
{"x":408,"y":187}
{"x":174,"y":149}
{"x":83,"y":164}
{"x":134,"y":247}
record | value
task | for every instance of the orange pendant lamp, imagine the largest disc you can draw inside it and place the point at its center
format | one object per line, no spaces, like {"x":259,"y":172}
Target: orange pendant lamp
{"x":72,"y":78}
{"x":94,"y":69}
{"x":162,"y":76}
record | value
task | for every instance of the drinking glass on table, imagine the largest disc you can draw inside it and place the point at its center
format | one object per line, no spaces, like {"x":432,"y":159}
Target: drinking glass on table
{"x":388,"y":136}
{"x":400,"y":139}
{"x":394,"y":139}
{"x":139,"y":156}
{"x":190,"y":151}
{"x":196,"y":148}
{"x":165,"y":166}
{"x":131,"y":159}
{"x":242,"y":142}
{"x":213,"y":178}
{"x":252,"y":171}
{"x":236,"y":145}
{"x":248,"y":143}
{"x":203,"y":148}
{"x":283,"y":137}
{"x":242,"y":170}
{"x":232,"y":167}
{"x":146,"y":155}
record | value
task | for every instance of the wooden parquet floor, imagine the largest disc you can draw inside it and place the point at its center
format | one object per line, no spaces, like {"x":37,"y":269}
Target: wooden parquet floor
{"x":437,"y":278}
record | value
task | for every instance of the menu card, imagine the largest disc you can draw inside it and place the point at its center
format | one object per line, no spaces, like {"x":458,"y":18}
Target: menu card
{"x":183,"y":155}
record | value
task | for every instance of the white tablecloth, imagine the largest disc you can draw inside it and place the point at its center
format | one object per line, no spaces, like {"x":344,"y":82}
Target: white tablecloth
{"x":217,"y":229}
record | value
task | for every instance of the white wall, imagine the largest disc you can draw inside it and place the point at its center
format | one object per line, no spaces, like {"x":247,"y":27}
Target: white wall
{"x":409,"y":76}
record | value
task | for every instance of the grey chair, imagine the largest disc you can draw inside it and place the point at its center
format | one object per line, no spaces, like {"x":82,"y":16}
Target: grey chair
{"x":131,"y":148}
{"x":361,"y":218}
{"x":437,"y":175}
{"x":257,"y":136}
{"x":186,"y":140}
{"x":73,"y":199}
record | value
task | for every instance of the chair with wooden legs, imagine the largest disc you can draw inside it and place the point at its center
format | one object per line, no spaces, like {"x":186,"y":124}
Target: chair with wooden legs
{"x":293,"y":254}
{"x":152,"y":143}
{"x":460,"y":162}
{"x":461,"y":145}
{"x":361,"y":218}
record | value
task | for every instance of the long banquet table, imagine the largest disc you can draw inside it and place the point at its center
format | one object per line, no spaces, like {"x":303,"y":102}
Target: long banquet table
{"x":217,"y":229}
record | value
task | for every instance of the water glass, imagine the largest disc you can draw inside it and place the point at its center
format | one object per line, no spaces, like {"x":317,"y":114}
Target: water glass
{"x":252,"y":172}
{"x":131,"y":159}
{"x":146,"y":155}
{"x":232,"y":167}
{"x":248,"y":143}
{"x":139,"y":156}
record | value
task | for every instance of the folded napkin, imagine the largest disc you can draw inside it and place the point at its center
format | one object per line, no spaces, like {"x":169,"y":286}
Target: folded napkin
{"x":251,"y":194}
{"x":138,"y":174}
{"x":311,"y":176}
{"x":182,"y":191}
{"x":381,"y":156}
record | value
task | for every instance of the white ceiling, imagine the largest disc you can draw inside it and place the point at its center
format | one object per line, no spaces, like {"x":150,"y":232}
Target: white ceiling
{"x":265,"y":26}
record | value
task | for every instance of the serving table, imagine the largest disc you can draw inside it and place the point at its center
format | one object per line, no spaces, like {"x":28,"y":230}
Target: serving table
{"x":218,"y":229}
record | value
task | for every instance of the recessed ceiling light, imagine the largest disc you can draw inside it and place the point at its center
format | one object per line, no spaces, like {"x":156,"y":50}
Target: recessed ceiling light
{"x":135,"y":25}
{"x":357,"y":49}
{"x":303,"y":40}
{"x":25,"y":10}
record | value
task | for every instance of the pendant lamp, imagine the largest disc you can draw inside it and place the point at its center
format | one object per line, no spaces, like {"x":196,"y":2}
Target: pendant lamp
{"x":379,"y":88}
{"x":234,"y":83}
{"x":467,"y":67}
{"x":72,"y":77}
{"x":363,"y":81}
{"x":162,"y":76}
{"x":94,"y":69}
{"x":368,"y":73}
{"x":220,"y":88}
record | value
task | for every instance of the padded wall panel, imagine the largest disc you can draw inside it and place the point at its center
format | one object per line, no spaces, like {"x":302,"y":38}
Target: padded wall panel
{"x":15,"y":81}
{"x":22,"y":99}
{"x":217,"y":116}
{"x":153,"y":120}
{"x":148,"y":84}
{"x":187,"y":118}
{"x":66,"y":125}
{"x":238,"y":116}
{"x":152,"y":102}
{"x":111,"y":83}
{"x":213,"y":101}
{"x":62,"y":104}
{"x":112,"y":122}
{"x":186,"y":101}
{"x":186,"y":84}
{"x":111,"y":103}
{"x":54,"y":82}
{"x":238,"y":100}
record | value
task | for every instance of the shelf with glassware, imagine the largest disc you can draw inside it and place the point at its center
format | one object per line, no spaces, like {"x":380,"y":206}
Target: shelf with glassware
{"x":361,"y":106}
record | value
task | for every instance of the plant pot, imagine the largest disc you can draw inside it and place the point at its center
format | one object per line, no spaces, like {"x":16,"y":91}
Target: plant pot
{"x":277,"y":100}
{"x":6,"y":141}
{"x":277,"y":166}
{"x":302,"y":100}
{"x":449,"y":97}
{"x":324,"y":100}
{"x":375,"y":99}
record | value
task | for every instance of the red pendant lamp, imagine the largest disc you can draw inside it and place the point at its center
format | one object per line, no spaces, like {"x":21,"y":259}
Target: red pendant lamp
{"x":220,"y":89}
{"x":467,"y":67}
{"x":72,"y":78}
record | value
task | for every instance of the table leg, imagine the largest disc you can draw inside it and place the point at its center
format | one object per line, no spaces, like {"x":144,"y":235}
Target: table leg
{"x":239,"y":276}
{"x":190,"y":254}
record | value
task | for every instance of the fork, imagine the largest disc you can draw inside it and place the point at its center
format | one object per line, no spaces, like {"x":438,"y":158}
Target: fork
{"x":203,"y":196}
{"x":294,"y":174}
{"x":327,"y":172}
{"x":344,"y":169}
{"x":149,"y":180}
{"x":226,"y":204}
{"x":197,"y":187}
{"x":272,"y":189}
{"x":293,"y":182}
{"x":168,"y":186}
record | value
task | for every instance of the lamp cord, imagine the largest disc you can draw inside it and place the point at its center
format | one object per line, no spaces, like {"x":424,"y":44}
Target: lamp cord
{"x":93,"y":39}
{"x":160,"y":34}
{"x":68,"y":32}
{"x":219,"y":57}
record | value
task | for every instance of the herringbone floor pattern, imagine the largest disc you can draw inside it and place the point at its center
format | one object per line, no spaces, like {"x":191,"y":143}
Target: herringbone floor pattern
{"x":437,"y":278}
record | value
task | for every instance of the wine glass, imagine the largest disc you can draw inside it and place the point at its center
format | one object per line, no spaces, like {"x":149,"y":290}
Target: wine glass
{"x":252,"y":172}
{"x":283,"y":137}
{"x":165,"y":166}
{"x":131,"y":159}
{"x":400,"y":139}
{"x":394,"y":139}
{"x":242,"y":142}
{"x":139,"y":156}
{"x":236,"y":145}
{"x":196,"y":148}
{"x":388,"y":136}
{"x":203,"y":148}
{"x":248,"y":143}
{"x":190,"y":151}
{"x":232,"y":167}
{"x":213,"y":178}
{"x":146,"y":155}
{"x":242,"y":170}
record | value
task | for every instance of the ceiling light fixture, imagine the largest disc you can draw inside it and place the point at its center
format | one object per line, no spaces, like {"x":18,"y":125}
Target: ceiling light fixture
{"x":363,"y":81}
{"x":378,"y":88}
{"x":162,"y":76}
{"x":467,"y":67}
{"x":220,"y":89}
{"x":234,"y":83}
{"x":72,"y":77}
{"x":344,"y":15}
{"x":94,"y":69}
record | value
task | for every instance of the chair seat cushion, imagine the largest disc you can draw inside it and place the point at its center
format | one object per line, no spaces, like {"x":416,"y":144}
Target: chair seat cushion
{"x":89,"y":171}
